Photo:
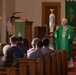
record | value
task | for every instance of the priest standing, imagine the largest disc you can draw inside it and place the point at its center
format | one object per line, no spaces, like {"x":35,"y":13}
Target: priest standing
{"x":64,"y":36}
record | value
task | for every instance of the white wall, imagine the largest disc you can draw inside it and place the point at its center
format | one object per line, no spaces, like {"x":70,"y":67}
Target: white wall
{"x":0,"y":7}
{"x":8,"y":7}
{"x":0,"y":17}
{"x":32,"y":10}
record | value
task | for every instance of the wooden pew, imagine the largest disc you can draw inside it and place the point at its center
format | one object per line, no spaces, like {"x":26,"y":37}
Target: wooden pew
{"x":21,"y":70}
{"x":39,"y":65}
{"x":40,"y":62}
{"x":14,"y":71}
{"x":26,"y":69}
{"x":59,"y":63}
{"x":25,"y":59}
{"x":53,"y":64}
{"x":7,"y":71}
{"x":64,"y":62}
{"x":55,"y":51}
{"x":31,"y":67}
{"x":47,"y":65}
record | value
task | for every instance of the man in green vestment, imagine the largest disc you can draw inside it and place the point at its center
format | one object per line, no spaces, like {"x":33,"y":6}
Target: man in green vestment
{"x":64,"y":36}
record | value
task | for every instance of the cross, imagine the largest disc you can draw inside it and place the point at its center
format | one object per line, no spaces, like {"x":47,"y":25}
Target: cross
{"x":71,"y":10}
{"x":71,"y":14}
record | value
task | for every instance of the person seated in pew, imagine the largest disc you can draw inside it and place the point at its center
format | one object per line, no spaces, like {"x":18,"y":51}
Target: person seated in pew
{"x":20,"y":47}
{"x":1,"y":47}
{"x":20,"y":39}
{"x":25,"y":45}
{"x":46,"y":50}
{"x":33,"y":43}
{"x":18,"y":53}
{"x":37,"y":53}
{"x":9,"y":60}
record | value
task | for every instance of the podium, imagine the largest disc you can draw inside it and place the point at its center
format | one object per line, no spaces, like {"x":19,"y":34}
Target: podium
{"x":39,"y":32}
{"x":23,"y":28}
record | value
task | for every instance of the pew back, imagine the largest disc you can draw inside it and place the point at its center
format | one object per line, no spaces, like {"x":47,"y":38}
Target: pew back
{"x":7,"y":71}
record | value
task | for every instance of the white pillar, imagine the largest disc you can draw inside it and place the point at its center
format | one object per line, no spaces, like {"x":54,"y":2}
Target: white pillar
{"x":3,"y":31}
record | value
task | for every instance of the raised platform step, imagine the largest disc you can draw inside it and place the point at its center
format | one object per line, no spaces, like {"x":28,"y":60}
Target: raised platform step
{"x":74,"y":47}
{"x":74,"y":50}
{"x":73,"y":69}
{"x":74,"y":41}
{"x":74,"y":59}
{"x":74,"y":53}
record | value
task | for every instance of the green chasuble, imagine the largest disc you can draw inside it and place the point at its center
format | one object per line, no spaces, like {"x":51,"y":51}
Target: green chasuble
{"x":64,"y":39}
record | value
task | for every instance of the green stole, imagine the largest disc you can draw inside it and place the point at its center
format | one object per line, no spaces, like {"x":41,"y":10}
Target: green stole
{"x":63,"y":38}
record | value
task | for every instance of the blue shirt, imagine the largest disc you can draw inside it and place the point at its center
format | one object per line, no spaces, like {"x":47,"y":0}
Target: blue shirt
{"x":25,"y":49}
{"x":18,"y":53}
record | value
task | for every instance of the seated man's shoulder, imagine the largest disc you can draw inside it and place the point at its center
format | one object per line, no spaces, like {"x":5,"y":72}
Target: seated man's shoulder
{"x":50,"y":50}
{"x":32,"y":54}
{"x":15,"y":48}
{"x":47,"y":51}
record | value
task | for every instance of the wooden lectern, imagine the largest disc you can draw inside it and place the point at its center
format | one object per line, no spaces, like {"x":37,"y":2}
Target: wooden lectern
{"x":27,"y":30}
{"x":39,"y":31}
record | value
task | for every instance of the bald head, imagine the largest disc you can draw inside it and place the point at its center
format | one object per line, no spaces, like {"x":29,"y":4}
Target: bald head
{"x":64,"y":21}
